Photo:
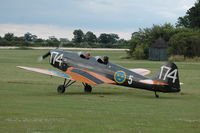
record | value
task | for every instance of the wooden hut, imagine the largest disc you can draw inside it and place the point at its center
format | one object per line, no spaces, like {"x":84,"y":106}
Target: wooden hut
{"x":158,"y":50}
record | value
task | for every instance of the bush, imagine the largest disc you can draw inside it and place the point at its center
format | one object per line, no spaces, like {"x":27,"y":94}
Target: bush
{"x":146,"y":37}
{"x":185,"y":43}
{"x":139,"y":52}
{"x":24,"y":48}
{"x":181,"y":58}
{"x":176,"y":58}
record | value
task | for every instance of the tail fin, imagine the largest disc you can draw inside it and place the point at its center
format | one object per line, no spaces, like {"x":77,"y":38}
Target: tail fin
{"x":169,"y":73}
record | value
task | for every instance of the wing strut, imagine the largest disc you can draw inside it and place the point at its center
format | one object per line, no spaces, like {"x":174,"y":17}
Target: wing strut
{"x":69,"y":83}
{"x":61,"y":88}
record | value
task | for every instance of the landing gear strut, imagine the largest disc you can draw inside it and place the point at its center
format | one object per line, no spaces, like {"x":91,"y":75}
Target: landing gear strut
{"x":157,"y":96}
{"x":87,"y":88}
{"x":61,"y":88}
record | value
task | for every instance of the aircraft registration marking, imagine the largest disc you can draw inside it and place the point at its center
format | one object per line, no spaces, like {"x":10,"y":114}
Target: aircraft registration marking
{"x":165,"y":73}
{"x":56,"y":58}
{"x":130,"y":79}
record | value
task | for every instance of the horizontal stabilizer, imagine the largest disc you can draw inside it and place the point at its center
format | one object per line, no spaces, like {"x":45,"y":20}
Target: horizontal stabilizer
{"x":141,"y":71}
{"x":153,"y":82}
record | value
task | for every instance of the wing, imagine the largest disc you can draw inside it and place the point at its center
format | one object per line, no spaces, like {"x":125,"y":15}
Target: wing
{"x":45,"y":71}
{"x":141,"y":71}
{"x":74,"y":74}
{"x":88,"y":76}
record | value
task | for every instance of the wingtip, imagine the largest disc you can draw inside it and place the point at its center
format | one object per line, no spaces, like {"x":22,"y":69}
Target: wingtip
{"x":19,"y":66}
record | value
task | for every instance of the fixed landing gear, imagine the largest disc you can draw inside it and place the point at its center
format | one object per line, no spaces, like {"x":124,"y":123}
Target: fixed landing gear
{"x":87,"y":88}
{"x":61,"y":88}
{"x":156,"y":95}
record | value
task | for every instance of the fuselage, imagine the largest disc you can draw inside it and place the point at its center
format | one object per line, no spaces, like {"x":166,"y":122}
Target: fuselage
{"x":122,"y":76}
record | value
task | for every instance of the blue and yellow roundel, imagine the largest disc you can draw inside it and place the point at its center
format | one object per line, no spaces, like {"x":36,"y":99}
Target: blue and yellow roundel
{"x":120,"y":77}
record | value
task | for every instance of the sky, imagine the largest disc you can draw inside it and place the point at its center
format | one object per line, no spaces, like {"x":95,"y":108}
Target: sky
{"x":60,"y":18}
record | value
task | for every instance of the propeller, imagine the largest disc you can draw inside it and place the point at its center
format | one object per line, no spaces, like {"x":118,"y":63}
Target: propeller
{"x":48,"y":53}
{"x":44,"y":56}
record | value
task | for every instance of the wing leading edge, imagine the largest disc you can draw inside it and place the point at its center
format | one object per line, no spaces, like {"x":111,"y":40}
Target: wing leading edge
{"x":73,"y":74}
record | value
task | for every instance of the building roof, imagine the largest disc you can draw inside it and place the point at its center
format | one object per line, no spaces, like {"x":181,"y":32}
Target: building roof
{"x":159,"y":43}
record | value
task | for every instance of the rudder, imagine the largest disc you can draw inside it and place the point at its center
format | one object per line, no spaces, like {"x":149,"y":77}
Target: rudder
{"x":169,"y":73}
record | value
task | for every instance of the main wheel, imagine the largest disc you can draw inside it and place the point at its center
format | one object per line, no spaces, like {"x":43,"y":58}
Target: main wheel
{"x":88,"y":88}
{"x":61,"y":89}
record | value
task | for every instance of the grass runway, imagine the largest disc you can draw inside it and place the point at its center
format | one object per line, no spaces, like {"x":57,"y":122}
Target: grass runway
{"x":29,"y":102}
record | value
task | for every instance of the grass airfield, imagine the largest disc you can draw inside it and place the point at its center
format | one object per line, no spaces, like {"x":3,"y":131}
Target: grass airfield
{"x":29,"y":102}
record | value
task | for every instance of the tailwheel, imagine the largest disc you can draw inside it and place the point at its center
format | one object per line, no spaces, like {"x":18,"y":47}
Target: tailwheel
{"x":87,"y":88}
{"x":157,"y":96}
{"x":61,"y":88}
{"x":155,"y":91}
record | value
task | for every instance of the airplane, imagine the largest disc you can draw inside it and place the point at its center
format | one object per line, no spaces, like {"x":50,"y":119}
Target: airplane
{"x":94,"y":70}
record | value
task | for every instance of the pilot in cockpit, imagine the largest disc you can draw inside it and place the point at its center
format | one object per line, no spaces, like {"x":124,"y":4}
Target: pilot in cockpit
{"x":87,"y":55}
{"x":105,"y":59}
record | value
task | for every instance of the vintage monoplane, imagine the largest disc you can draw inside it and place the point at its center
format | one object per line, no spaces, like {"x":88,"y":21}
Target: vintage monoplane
{"x":77,"y":66}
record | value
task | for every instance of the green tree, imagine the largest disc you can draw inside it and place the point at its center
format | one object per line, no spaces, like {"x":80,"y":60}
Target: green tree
{"x":185,"y":43}
{"x":29,"y":37}
{"x":104,"y":38}
{"x":53,"y":39}
{"x":192,"y":17}
{"x":114,"y":38}
{"x":90,"y":37}
{"x":9,"y":36}
{"x":19,"y":39}
{"x":146,"y":37}
{"x":78,"y":36}
{"x":139,"y":52}
{"x":108,"y":38}
{"x":183,"y":22}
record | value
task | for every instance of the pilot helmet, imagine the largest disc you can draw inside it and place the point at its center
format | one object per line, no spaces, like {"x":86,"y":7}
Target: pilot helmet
{"x":106,"y":59}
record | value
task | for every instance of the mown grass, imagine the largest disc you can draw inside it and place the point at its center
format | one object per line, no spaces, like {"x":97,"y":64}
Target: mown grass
{"x":29,"y":102}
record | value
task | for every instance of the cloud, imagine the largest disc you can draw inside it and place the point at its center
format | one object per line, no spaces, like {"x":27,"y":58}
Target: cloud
{"x":185,"y":4}
{"x":41,"y":30}
{"x":168,"y":15}
{"x":44,"y":31}
{"x":60,"y":17}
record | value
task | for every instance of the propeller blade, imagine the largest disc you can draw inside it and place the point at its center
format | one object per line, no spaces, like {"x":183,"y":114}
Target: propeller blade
{"x":44,"y":56}
{"x":40,"y":59}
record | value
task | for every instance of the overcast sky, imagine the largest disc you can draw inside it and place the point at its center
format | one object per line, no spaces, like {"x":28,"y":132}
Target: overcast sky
{"x":61,"y":17}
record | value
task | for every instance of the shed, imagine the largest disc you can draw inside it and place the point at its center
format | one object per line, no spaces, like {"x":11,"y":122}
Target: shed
{"x":158,"y":50}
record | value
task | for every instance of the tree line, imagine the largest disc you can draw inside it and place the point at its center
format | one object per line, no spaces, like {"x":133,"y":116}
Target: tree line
{"x":182,"y":39}
{"x":80,"y":39}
